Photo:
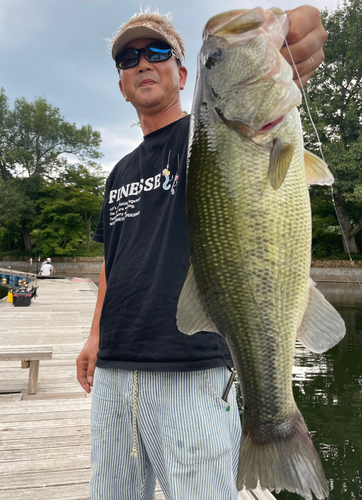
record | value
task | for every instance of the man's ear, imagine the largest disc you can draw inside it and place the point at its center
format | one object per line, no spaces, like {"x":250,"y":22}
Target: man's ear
{"x":183,"y":76}
{"x":121,"y":89}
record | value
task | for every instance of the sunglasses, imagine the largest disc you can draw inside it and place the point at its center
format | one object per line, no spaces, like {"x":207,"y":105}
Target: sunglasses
{"x":154,"y":52}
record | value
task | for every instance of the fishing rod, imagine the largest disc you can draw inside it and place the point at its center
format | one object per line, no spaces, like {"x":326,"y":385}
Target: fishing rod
{"x":11,"y":265}
{"x":27,"y":269}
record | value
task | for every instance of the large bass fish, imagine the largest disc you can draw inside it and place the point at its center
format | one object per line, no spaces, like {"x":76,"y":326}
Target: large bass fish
{"x":249,"y":220}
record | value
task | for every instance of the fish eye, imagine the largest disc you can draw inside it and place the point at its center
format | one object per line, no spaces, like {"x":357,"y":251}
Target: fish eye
{"x":213,"y":57}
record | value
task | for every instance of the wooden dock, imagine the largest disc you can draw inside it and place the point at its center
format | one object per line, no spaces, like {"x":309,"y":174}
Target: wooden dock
{"x":45,"y":437}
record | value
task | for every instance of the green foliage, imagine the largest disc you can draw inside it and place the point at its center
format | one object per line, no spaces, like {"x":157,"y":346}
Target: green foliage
{"x":335,"y":100}
{"x":34,"y":139}
{"x":326,"y":236}
{"x":92,"y":249}
{"x":15,"y":204}
{"x":68,"y":210}
{"x":45,"y":195}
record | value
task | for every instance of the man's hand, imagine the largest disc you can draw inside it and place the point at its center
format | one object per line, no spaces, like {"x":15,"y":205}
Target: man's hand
{"x":87,"y":359}
{"x":305,"y":38}
{"x":86,"y":363}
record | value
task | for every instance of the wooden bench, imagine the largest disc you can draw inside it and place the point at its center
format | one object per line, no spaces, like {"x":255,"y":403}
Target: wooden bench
{"x":29,"y":357}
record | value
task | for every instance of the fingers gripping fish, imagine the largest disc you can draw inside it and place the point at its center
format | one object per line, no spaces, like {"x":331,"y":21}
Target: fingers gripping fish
{"x":250,"y":238}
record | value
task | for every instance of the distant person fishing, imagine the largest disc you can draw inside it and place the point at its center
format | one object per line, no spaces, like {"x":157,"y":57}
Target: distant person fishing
{"x":46,"y":268}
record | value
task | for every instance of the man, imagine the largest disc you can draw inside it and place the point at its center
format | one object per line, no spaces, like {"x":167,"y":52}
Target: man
{"x":47,"y":269}
{"x":47,"y":261}
{"x":159,"y":406}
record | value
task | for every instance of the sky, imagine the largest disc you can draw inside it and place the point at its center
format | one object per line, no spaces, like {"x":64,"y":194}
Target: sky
{"x":58,"y":50}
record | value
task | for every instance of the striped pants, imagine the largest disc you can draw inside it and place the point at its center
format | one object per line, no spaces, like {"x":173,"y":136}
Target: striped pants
{"x":172,"y":426}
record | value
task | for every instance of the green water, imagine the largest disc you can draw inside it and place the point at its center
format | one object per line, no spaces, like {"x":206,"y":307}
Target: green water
{"x":3,"y":291}
{"x":328,"y":391}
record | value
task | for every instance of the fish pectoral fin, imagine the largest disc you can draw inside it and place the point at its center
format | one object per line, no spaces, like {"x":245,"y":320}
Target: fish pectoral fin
{"x":316,"y":170}
{"x":191,"y":316}
{"x":322,"y":326}
{"x":280,"y":159}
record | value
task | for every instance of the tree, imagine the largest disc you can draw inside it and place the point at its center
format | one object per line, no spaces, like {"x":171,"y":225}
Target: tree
{"x":36,"y":144}
{"x":69,"y":208}
{"x":335,"y":100}
{"x":16,"y":208}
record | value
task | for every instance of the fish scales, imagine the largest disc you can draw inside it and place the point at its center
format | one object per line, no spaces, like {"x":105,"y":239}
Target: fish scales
{"x":249,"y":223}
{"x":235,"y":209}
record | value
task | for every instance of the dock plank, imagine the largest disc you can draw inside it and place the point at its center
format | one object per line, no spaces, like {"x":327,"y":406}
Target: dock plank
{"x":79,"y":460}
{"x":46,"y":432}
{"x":40,"y":443}
{"x":43,"y":413}
{"x":67,"y":492}
{"x":45,"y":479}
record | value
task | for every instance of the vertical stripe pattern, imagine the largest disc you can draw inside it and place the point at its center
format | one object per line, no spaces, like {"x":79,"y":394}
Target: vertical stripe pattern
{"x":187,"y":436}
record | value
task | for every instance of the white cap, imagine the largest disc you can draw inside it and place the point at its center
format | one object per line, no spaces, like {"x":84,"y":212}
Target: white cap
{"x":148,"y":29}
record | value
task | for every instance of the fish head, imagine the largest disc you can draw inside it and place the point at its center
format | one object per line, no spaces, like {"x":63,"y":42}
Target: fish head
{"x":241,"y":73}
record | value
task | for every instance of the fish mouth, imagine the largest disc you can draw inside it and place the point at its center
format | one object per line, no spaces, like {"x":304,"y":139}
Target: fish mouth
{"x":270,"y":126}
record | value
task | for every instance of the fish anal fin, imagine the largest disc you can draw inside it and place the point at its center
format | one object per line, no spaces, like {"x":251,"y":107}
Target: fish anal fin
{"x":191,"y":315}
{"x":316,"y":170}
{"x":322,"y":326}
{"x":280,"y":159}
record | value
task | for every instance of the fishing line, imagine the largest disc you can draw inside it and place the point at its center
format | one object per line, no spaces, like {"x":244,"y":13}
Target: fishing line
{"x":319,"y":144}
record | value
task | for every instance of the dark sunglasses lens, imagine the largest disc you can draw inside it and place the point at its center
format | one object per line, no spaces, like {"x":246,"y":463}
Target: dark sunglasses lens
{"x":127,"y":59}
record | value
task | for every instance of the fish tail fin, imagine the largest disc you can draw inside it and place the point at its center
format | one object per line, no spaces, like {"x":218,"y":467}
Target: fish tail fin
{"x":287,"y":462}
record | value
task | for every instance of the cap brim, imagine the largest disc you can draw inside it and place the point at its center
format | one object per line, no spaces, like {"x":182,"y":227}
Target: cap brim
{"x":134,"y":33}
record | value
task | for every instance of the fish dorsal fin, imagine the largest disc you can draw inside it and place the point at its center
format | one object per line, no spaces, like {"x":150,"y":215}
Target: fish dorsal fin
{"x":191,"y":316}
{"x":280,"y":159}
{"x":316,"y":170}
{"x":322,"y":326}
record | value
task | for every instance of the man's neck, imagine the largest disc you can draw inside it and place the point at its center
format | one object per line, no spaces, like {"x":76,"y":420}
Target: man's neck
{"x":152,"y":122}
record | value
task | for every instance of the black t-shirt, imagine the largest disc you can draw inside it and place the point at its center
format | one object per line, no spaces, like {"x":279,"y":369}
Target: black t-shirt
{"x":143,"y":228}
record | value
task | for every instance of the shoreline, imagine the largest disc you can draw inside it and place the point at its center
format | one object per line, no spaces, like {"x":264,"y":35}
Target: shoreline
{"x":68,"y":265}
{"x":338,"y":271}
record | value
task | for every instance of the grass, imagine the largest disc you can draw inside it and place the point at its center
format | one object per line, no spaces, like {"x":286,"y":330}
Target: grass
{"x":339,"y":256}
{"x":92,"y":249}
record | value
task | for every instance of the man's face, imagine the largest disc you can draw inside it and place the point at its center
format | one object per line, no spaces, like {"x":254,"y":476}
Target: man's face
{"x":152,"y":87}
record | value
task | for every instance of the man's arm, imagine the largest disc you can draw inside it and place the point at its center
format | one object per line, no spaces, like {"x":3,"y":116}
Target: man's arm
{"x":305,"y":38}
{"x":87,"y":359}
